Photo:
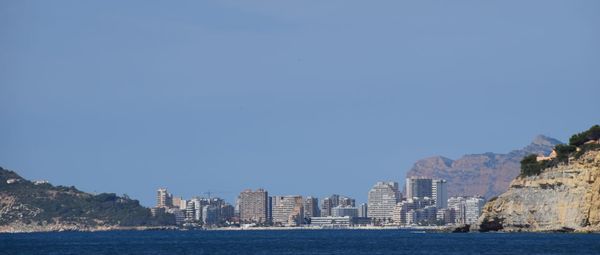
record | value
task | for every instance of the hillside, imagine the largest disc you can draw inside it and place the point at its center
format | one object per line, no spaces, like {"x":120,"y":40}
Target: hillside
{"x":29,"y":206}
{"x":488,"y":174}
{"x":561,"y":193}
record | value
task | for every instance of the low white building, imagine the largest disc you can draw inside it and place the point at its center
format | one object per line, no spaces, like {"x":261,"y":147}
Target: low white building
{"x":331,"y":222}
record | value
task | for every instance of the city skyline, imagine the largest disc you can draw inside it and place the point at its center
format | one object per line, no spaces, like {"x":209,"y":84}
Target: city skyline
{"x":219,"y":96}
{"x":427,"y":204}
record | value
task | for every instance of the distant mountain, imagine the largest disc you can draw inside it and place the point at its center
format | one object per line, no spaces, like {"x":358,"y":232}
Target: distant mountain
{"x":488,"y":174}
{"x":39,"y":206}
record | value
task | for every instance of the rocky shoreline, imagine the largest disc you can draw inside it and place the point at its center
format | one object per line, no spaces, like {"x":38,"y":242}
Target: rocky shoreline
{"x":31,"y":228}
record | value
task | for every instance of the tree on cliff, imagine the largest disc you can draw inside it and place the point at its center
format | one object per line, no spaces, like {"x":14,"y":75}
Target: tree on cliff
{"x":591,"y":134}
{"x":530,"y":166}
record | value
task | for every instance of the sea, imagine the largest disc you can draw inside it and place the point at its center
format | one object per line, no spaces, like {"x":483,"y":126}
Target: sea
{"x":296,"y":242}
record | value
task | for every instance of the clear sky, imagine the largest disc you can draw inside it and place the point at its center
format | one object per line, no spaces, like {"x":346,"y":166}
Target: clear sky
{"x":298,"y":97}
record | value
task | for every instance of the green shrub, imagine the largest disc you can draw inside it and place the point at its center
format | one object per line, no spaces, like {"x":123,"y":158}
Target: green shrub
{"x":563,"y":152}
{"x":530,"y":166}
{"x":591,"y":134}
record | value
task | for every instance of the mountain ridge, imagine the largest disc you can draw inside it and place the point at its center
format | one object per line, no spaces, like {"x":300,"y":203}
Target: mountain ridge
{"x":487,"y":174}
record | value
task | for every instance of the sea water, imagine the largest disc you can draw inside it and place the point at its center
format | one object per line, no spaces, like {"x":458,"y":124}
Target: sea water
{"x":297,"y":242}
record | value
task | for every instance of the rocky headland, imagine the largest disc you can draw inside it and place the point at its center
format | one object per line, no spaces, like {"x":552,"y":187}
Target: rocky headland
{"x":38,"y":206}
{"x":563,"y":195}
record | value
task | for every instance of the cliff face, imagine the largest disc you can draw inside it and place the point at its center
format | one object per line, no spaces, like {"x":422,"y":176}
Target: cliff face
{"x":488,"y":174}
{"x":562,"y":198}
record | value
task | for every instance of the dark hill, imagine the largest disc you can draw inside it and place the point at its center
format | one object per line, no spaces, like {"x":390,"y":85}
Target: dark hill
{"x":43,"y":206}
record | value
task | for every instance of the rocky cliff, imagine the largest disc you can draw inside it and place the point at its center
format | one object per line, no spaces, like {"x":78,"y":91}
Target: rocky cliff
{"x":27,"y":206}
{"x":561,"y":198}
{"x":487,"y":174}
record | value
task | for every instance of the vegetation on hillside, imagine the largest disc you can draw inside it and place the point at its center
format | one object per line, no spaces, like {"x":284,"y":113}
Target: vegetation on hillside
{"x":591,"y":134}
{"x":48,"y":204}
{"x":578,"y":145}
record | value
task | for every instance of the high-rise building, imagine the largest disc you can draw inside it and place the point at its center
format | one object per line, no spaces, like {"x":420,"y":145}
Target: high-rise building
{"x":182,"y":205}
{"x":440,"y":193}
{"x":210,"y":215}
{"x":456,"y":205}
{"x":164,"y":199}
{"x":419,"y":187}
{"x":333,"y":201}
{"x":346,"y":201}
{"x":227,"y":212}
{"x":473,"y":207}
{"x":254,"y":206}
{"x":288,"y":210}
{"x":382,"y":199}
{"x":198,"y":203}
{"x":311,"y":207}
{"x":328,"y":203}
{"x":190,"y":211}
{"x":362,"y":210}
{"x":343,"y":211}
{"x":176,"y":202}
{"x":270,"y":210}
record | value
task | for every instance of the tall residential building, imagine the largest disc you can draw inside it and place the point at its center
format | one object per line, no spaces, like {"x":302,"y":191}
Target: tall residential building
{"x":288,"y":210}
{"x":181,"y":205}
{"x":198,"y":203}
{"x":346,"y":201}
{"x":382,"y":200}
{"x":210,"y":215}
{"x":311,"y":207}
{"x":456,"y":205}
{"x":473,"y":207}
{"x":439,"y":192}
{"x":362,"y":210}
{"x":190,"y":211}
{"x":333,"y":201}
{"x":328,"y":203}
{"x":270,"y":210}
{"x":164,"y":199}
{"x":418,"y":187}
{"x":227,"y":212}
{"x":254,"y":206}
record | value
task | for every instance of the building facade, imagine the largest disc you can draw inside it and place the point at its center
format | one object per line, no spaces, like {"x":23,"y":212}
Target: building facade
{"x":473,"y":207}
{"x":439,"y":192}
{"x":382,"y":199}
{"x":456,"y":205}
{"x":164,"y":199}
{"x":328,"y":203}
{"x":254,"y":206}
{"x":288,"y":210}
{"x":311,"y":207}
{"x":363,"y":210}
{"x":343,"y":211}
{"x":419,"y":187}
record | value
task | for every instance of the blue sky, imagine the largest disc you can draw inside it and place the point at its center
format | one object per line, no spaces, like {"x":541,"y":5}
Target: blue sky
{"x":298,"y":97}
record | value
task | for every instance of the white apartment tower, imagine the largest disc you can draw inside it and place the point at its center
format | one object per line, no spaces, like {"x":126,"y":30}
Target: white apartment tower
{"x":382,"y":200}
{"x":473,"y":207}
